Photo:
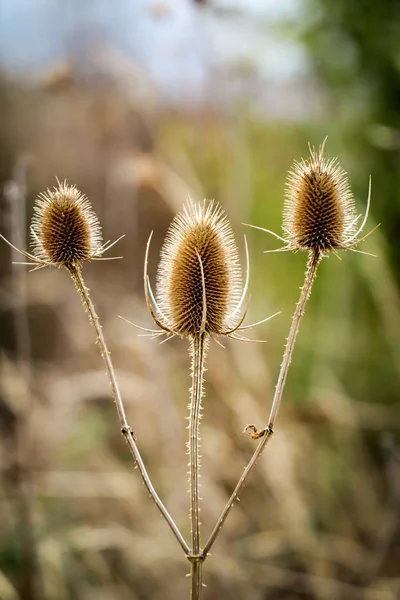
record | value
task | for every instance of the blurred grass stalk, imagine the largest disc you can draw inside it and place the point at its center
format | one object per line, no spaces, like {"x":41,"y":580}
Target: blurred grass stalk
{"x":31,"y":584}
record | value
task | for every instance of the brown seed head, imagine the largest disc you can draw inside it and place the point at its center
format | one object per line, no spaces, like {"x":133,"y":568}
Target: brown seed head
{"x":65,"y":230}
{"x":199,"y":280}
{"x":319,"y":211}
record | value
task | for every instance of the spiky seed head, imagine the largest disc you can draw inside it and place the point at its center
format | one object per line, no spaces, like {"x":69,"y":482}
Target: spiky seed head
{"x":199,"y":254}
{"x":65,"y":230}
{"x":319,"y":212}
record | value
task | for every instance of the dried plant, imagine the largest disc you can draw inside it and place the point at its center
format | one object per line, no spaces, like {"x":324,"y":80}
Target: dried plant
{"x":319,"y":217}
{"x":199,"y":287}
{"x":65,"y":233}
{"x":319,"y":212}
{"x":200,"y":293}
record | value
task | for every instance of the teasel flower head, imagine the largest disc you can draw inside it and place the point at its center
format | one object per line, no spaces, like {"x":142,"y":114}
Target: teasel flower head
{"x":319,"y":217}
{"x":65,"y":232}
{"x":199,"y":282}
{"x":319,"y":213}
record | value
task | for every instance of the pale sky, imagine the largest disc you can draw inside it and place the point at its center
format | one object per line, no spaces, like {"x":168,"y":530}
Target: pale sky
{"x":177,"y":44}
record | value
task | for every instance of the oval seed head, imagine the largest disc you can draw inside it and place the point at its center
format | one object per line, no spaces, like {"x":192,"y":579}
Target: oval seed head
{"x":319,"y":211}
{"x":199,"y":283}
{"x":65,"y":230}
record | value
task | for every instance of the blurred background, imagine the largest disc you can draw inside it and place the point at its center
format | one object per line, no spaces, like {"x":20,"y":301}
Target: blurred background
{"x":141,"y":103}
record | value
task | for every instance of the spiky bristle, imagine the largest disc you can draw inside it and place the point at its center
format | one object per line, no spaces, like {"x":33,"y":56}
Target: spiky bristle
{"x":319,"y":211}
{"x":65,"y":230}
{"x":199,"y":255}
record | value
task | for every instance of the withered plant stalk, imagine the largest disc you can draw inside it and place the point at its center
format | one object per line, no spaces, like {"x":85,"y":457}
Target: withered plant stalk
{"x":126,"y":430}
{"x":313,"y":262}
{"x":199,"y":296}
{"x":266,"y":433}
{"x":197,"y":349}
{"x":319,"y":217}
{"x":66,"y":233}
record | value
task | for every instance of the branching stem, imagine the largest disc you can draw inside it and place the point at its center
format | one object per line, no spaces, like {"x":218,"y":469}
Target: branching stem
{"x":266,"y":433}
{"x":126,"y":430}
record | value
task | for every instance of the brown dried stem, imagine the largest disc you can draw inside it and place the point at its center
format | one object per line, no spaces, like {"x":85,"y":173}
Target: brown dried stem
{"x":266,"y":433}
{"x":126,"y":430}
{"x":198,"y":357}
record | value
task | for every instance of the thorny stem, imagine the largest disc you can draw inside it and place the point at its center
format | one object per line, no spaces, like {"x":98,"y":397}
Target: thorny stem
{"x":126,"y":430}
{"x":198,"y":356}
{"x":265,"y":434}
{"x":313,"y":262}
{"x":196,"y":574}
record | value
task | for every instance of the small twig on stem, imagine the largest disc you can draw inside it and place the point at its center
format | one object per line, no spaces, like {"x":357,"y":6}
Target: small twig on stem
{"x":126,"y":430}
{"x":266,"y":433}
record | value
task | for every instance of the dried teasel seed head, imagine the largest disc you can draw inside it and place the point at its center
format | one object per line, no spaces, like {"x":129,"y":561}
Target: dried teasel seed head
{"x":319,"y":213}
{"x":199,"y":284}
{"x":65,"y":230}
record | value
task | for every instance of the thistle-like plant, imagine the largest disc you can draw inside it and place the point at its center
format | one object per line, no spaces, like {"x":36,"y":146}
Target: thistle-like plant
{"x":199,"y":296}
{"x":319,"y":214}
{"x":319,"y":217}
{"x":66,"y":233}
